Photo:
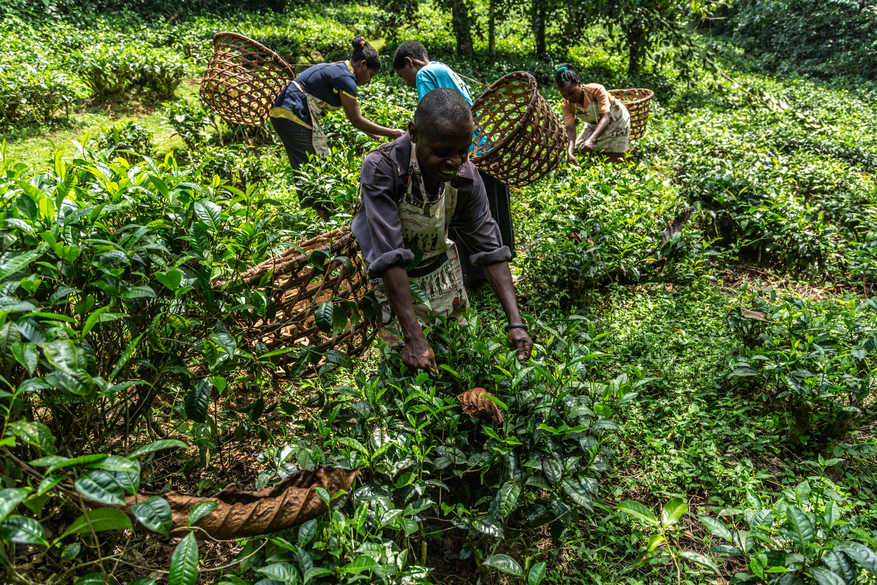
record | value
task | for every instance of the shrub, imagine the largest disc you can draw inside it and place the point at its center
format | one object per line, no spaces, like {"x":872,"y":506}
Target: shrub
{"x":806,"y":536}
{"x":190,"y":121}
{"x":112,"y":69}
{"x":815,"y":362}
{"x":112,"y":286}
{"x":107,"y":69}
{"x":605,"y":226}
{"x":427,"y":465}
{"x":35,"y":91}
{"x":160,"y":73}
{"x":127,"y":135}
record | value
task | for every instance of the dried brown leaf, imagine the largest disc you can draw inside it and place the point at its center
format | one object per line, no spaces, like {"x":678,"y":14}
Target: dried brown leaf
{"x":477,"y":406}
{"x":757,"y":315}
{"x":239,"y":514}
{"x":677,"y":224}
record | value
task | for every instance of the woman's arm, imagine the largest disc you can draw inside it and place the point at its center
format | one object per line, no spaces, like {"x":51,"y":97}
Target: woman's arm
{"x":569,"y":121}
{"x":571,"y":144}
{"x":601,"y":126}
{"x":351,"y":110}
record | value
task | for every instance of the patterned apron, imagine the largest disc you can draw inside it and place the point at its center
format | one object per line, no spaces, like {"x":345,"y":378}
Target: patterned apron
{"x":317,"y":106}
{"x":616,"y":136}
{"x":425,"y":229}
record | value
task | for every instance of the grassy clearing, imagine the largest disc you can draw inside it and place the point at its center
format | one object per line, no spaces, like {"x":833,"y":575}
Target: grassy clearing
{"x":32,"y":144}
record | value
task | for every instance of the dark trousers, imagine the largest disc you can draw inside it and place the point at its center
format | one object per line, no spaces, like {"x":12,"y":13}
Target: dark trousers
{"x":297,"y":140}
{"x":501,"y":209}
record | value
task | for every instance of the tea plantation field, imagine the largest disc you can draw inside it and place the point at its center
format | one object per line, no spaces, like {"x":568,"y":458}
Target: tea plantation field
{"x":699,"y":408}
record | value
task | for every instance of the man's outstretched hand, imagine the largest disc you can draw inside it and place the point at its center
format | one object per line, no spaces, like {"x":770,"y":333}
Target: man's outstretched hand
{"x":521,"y":341}
{"x":418,"y":355}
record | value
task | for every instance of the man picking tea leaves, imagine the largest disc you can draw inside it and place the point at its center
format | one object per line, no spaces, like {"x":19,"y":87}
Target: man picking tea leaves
{"x":413,"y":190}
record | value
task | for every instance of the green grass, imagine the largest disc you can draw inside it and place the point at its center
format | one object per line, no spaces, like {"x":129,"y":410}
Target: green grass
{"x":33,"y":144}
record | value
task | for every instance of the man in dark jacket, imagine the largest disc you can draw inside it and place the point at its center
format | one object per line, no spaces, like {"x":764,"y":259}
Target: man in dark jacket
{"x":413,"y":190}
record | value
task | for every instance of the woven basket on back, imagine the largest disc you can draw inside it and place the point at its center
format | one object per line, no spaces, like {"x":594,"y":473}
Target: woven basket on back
{"x":518,"y":138}
{"x":637,"y":103}
{"x":297,"y":287}
{"x":243,"y":78}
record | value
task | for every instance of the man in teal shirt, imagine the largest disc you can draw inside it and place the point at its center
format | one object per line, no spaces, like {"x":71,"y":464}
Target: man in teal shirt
{"x":412,"y":64}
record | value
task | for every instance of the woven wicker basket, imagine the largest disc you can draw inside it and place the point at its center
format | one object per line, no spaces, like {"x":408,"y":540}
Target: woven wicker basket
{"x":297,"y":288}
{"x":243,"y":78}
{"x":519,"y":138}
{"x":637,"y":103}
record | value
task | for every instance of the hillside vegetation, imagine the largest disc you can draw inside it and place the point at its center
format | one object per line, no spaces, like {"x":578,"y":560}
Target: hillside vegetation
{"x":700,"y":407}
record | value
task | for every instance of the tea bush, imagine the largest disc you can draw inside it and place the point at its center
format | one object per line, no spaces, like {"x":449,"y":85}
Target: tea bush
{"x":111,"y":69}
{"x":603,"y":226}
{"x":808,"y":535}
{"x":424,"y":461}
{"x":123,"y":253}
{"x":191,"y":122}
{"x":32,"y":85}
{"x":128,"y":139}
{"x":792,"y":193}
{"x":35,"y":92}
{"x":813,"y":362}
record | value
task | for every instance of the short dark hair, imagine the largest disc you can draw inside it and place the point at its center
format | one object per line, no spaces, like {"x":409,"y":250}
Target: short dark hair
{"x":566,"y":73}
{"x":441,"y":105}
{"x":411,"y":49}
{"x":362,"y":51}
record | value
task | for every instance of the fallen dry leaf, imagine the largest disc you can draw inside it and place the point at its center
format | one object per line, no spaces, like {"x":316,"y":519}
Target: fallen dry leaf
{"x":477,"y":406}
{"x":757,"y":315}
{"x":239,"y":514}
{"x":677,"y":224}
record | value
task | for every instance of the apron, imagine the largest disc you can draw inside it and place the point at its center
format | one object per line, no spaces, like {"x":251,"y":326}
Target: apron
{"x":438,"y":274}
{"x":616,"y":136}
{"x":317,"y":107}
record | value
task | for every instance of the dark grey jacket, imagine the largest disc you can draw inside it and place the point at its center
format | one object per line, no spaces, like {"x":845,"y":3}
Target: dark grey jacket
{"x":377,"y":226}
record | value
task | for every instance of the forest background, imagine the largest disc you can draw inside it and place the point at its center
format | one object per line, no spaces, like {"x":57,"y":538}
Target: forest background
{"x":700,"y":405}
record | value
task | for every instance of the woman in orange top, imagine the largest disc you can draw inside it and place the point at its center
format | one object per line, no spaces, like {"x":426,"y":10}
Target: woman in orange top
{"x":606,"y":120}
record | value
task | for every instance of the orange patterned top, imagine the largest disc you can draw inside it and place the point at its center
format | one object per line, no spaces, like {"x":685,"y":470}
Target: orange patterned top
{"x":593,"y":92}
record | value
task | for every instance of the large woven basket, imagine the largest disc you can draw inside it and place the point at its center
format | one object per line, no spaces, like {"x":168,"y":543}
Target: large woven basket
{"x":243,"y":79}
{"x":519,"y":138}
{"x":298,"y":284}
{"x":637,"y":103}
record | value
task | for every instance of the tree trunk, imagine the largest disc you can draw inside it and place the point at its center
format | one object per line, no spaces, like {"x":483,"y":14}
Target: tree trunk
{"x":538,"y":21}
{"x":462,"y":27}
{"x":636,"y":37}
{"x":491,"y":29}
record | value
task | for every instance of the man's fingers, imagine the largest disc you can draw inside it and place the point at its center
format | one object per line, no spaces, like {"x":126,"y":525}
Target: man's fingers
{"x":525,"y":350}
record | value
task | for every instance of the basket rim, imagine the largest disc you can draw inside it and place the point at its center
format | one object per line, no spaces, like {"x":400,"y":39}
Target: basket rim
{"x":646,"y":94}
{"x":519,"y":127}
{"x":237,"y":36}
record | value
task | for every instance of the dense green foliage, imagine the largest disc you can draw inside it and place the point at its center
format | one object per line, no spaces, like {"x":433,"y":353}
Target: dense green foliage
{"x":698,"y":403}
{"x":817,"y":37}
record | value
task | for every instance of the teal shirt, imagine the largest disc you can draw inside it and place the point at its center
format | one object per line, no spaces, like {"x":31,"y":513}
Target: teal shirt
{"x":437,"y":75}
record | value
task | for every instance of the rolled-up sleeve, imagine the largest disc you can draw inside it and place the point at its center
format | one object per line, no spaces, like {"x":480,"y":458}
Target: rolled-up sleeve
{"x":377,"y":226}
{"x":476,"y":226}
